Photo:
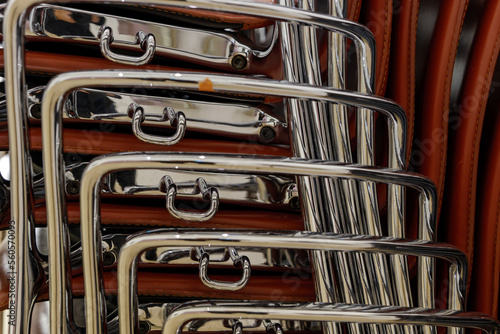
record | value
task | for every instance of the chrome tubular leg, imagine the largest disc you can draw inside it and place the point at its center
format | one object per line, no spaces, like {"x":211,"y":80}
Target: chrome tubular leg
{"x":24,"y":276}
{"x":301,"y":124}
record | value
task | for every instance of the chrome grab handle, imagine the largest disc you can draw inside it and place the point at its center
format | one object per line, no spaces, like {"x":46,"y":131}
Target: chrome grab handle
{"x":147,"y":43}
{"x":136,"y":112}
{"x":199,"y":188}
{"x":238,"y":261}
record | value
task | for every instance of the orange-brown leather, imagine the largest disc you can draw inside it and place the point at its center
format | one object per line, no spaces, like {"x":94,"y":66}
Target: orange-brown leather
{"x":431,"y":120}
{"x":154,"y":216}
{"x":50,"y":64}
{"x":248,"y":22}
{"x":428,"y":156}
{"x":261,"y":286}
{"x":401,"y":76}
{"x":485,"y":279}
{"x":376,"y":15}
{"x":458,"y":218}
{"x":96,"y":143}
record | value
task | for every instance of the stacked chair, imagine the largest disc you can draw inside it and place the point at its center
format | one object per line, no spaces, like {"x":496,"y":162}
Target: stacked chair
{"x":225,"y":166}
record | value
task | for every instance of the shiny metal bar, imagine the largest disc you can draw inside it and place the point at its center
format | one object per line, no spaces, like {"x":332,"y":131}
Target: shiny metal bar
{"x":203,"y":47}
{"x":99,"y":167}
{"x":337,"y":313}
{"x":13,"y":30}
{"x":342,"y":152}
{"x":62,"y":85}
{"x":232,"y":119}
{"x":139,"y":243}
{"x":303,"y":120}
{"x":241,"y":189}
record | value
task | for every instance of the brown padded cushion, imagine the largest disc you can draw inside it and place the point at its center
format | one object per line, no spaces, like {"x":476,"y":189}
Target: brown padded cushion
{"x":376,"y":15}
{"x":261,"y":286}
{"x":458,"y":218}
{"x":154,"y":216}
{"x":485,"y":280}
{"x":429,"y":149}
{"x":96,"y":143}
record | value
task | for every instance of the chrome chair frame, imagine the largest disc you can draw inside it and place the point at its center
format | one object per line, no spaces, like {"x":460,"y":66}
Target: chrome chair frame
{"x":139,"y":243}
{"x":62,"y":85}
{"x":99,"y":167}
{"x":21,"y":207}
{"x":328,"y":312}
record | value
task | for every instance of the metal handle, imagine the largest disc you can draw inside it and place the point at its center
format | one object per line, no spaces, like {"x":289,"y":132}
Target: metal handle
{"x":147,"y":43}
{"x":219,"y":285}
{"x":200,"y":188}
{"x":136,"y":112}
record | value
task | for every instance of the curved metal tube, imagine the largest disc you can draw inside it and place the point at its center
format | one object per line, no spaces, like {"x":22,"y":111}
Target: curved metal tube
{"x":139,"y":243}
{"x":138,"y":117}
{"x":62,"y":85}
{"x":13,"y":30}
{"x":328,"y":312}
{"x":202,"y":188}
{"x":99,"y":167}
{"x":147,"y":43}
{"x":228,"y":286}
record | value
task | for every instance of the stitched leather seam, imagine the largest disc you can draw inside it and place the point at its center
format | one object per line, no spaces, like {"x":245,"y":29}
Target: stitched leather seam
{"x":358,"y":9}
{"x":411,"y":86}
{"x":494,"y":306}
{"x":451,"y":60}
{"x":179,"y":13}
{"x":42,"y":73}
{"x":470,"y":230}
{"x":212,"y":224}
{"x":386,"y":49}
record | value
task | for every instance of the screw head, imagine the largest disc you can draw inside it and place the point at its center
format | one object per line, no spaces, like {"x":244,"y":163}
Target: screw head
{"x":144,"y":327}
{"x":73,"y":188}
{"x":294,"y":203}
{"x":36,"y":111}
{"x":267,"y":134}
{"x":239,"y":62}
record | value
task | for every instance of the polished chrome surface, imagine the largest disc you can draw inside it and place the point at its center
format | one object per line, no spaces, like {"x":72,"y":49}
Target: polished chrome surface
{"x":328,"y":312}
{"x":196,"y":45}
{"x":302,"y":144}
{"x":271,"y":191}
{"x":146,"y":42}
{"x":200,"y":187}
{"x":127,"y":262}
{"x":233,"y":119}
{"x":243,"y":262}
{"x":220,"y":257}
{"x":154,"y":315}
{"x":99,"y":167}
{"x":241,"y":189}
{"x":175,"y":118}
{"x":62,"y":85}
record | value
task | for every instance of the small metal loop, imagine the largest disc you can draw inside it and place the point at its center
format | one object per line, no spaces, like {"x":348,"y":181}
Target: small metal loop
{"x":197,"y":252}
{"x":237,"y":328}
{"x":233,"y":253}
{"x":147,"y":43}
{"x":274,"y":327}
{"x":230,"y":286}
{"x":201,"y":187}
{"x":136,"y":112}
{"x":171,"y":191}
